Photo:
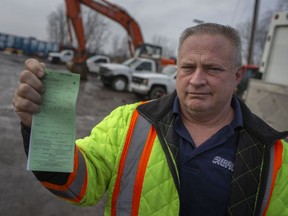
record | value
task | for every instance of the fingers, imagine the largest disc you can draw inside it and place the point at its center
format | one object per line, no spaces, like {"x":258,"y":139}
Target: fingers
{"x":25,"y":118}
{"x":27,"y":97}
{"x":25,"y":108}
{"x":35,"y":67}
{"x":22,"y":104}
{"x":26,"y":91}
{"x":26,"y":77}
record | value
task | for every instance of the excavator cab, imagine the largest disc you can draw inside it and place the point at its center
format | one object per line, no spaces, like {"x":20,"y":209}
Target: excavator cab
{"x":146,"y":50}
{"x":154,"y":52}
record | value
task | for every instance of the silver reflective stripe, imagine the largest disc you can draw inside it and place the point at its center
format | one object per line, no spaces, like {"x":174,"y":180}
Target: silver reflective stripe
{"x":269,"y":181}
{"x":76,"y":186}
{"x":137,"y":144}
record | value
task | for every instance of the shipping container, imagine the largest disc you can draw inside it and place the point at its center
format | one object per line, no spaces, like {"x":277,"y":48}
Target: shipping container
{"x":26,"y":45}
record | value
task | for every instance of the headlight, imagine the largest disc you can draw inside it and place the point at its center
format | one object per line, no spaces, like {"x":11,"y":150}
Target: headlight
{"x":145,"y":81}
{"x":139,"y":80}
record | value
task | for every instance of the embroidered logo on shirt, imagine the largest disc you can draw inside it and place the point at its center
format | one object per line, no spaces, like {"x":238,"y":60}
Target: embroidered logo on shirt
{"x":223,"y":163}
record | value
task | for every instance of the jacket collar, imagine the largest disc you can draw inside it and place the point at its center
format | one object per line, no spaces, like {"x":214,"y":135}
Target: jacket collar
{"x":156,"y":110}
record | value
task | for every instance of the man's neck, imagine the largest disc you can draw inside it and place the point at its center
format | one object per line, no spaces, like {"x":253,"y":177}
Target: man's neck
{"x":202,"y":126}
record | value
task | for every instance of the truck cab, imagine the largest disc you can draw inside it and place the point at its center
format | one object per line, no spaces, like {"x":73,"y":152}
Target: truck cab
{"x":118,"y":76}
{"x":61,"y":57}
{"x":154,"y":85}
{"x":94,"y":62}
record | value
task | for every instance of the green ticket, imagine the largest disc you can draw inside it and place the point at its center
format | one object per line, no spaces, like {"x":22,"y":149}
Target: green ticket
{"x":53,"y":132}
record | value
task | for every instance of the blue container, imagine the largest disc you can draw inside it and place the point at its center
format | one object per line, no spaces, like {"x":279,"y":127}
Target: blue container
{"x":3,"y":41}
{"x":18,"y":43}
{"x":10,"y":41}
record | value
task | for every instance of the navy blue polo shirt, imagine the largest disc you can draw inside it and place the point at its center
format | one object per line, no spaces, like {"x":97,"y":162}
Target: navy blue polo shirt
{"x":206,"y":171}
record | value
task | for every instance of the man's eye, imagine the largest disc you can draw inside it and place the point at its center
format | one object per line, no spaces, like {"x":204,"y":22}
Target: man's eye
{"x":215,"y":69}
{"x":188,"y":68}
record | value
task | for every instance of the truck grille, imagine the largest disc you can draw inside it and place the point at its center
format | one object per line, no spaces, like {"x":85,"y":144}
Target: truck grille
{"x":137,"y":80}
{"x":103,"y":70}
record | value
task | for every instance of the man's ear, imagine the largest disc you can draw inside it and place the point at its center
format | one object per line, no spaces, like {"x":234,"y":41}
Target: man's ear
{"x":240,"y":73}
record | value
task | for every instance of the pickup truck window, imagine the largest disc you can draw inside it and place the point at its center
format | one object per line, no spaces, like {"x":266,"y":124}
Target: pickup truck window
{"x":129,"y":62}
{"x":144,"y":66}
{"x":101,"y":61}
{"x":169,"y":70}
{"x":68,"y":54}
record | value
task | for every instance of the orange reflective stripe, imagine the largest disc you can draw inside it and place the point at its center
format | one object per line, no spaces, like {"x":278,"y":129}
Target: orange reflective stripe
{"x":75,"y":187}
{"x":141,"y":172}
{"x":70,"y":179}
{"x":122,"y":163}
{"x":278,"y":148}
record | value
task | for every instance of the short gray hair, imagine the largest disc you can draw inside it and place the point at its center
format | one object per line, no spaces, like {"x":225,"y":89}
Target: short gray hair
{"x":216,"y":29}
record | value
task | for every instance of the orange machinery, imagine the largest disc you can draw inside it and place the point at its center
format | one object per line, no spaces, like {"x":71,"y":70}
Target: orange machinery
{"x":137,"y":47}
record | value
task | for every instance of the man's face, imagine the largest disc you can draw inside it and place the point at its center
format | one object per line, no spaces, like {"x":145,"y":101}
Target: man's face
{"x":206,"y":76}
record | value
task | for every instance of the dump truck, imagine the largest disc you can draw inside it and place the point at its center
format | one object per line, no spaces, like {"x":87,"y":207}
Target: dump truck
{"x":268,"y":97}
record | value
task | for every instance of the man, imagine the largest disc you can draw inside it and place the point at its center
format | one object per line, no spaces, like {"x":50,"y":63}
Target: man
{"x":198,"y":151}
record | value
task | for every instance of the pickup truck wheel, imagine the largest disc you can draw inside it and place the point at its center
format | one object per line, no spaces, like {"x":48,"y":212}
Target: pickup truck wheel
{"x":157,"y":92}
{"x":55,"y":60}
{"x":119,"y":84}
{"x":106,"y":84}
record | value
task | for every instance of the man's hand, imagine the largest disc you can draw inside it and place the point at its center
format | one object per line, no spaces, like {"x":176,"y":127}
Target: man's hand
{"x":27,"y":97}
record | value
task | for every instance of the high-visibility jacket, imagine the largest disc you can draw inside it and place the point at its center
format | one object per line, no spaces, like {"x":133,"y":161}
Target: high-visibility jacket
{"x":131,"y":155}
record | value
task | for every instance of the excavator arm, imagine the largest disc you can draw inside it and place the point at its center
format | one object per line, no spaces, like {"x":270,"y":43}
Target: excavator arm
{"x":137,"y":47}
{"x":120,"y":16}
{"x":74,"y":17}
{"x":108,"y":9}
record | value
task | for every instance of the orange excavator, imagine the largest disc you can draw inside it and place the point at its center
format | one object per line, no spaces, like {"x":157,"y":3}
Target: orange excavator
{"x":137,"y":47}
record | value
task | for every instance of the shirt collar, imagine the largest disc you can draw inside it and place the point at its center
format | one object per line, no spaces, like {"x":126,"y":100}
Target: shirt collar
{"x":238,"y":117}
{"x":176,"y":106}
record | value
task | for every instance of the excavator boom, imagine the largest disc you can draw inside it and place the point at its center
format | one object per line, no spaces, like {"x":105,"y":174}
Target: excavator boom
{"x":120,"y":16}
{"x":137,"y":47}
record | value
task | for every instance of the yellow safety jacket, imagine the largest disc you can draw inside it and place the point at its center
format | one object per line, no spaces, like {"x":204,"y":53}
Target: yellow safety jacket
{"x":131,"y":156}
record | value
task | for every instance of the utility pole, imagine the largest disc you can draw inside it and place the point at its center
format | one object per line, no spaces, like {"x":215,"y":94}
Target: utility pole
{"x":254,"y":26}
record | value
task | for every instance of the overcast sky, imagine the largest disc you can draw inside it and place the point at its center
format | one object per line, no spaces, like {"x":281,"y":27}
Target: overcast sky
{"x":166,"y":18}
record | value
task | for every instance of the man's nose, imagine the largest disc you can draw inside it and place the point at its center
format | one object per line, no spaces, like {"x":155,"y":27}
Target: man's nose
{"x":198,"y":77}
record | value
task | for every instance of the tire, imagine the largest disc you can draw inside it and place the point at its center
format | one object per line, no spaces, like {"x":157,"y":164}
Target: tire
{"x":119,"y":84}
{"x":157,"y":92}
{"x":107,"y":85}
{"x":55,"y":60}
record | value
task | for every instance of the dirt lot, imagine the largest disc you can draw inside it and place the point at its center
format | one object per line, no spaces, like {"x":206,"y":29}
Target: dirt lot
{"x":20,"y":192}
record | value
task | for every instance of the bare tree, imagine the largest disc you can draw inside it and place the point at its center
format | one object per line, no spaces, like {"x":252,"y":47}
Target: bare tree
{"x":168,"y":47}
{"x":95,"y":29}
{"x":120,"y":49}
{"x":57,"y":26}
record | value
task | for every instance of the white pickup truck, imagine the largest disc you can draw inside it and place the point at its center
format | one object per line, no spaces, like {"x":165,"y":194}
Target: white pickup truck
{"x":118,"y":76}
{"x":60,"y":57}
{"x":154,"y":85}
{"x":94,"y":62}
